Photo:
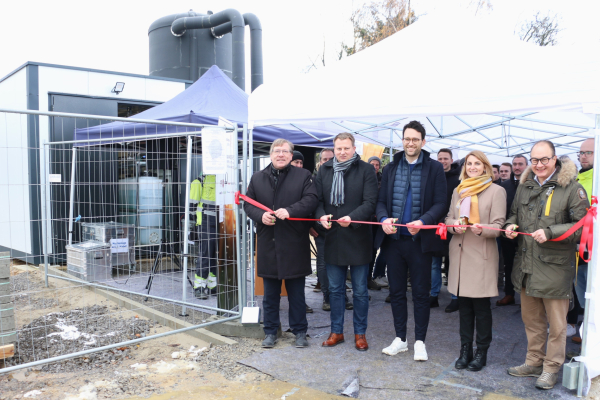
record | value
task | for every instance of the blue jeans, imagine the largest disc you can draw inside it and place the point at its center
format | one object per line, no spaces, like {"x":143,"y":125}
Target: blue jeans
{"x":337,"y":296}
{"x":580,"y":288}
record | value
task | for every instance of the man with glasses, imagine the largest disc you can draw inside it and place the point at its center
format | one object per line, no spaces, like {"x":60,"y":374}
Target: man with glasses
{"x":283,"y":250}
{"x":548,"y":202}
{"x":509,"y":247}
{"x":413,"y":192}
{"x":585,"y":178}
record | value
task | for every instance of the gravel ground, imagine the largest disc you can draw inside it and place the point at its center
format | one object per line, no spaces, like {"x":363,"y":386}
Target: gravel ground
{"x":67,"y":332}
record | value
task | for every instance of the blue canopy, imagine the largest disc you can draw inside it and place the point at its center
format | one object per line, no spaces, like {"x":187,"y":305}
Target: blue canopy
{"x":212,"y":96}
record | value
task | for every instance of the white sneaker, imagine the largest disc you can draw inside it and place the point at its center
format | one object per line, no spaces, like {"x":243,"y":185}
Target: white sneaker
{"x":397,"y":346}
{"x":571,"y":330}
{"x":382,"y":281}
{"x":420,"y":352}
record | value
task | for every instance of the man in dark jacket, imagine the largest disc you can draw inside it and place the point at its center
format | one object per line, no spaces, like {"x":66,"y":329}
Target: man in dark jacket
{"x":509,"y":247}
{"x":452,"y":172}
{"x":347,"y":190}
{"x":413,"y":192}
{"x":283,"y":248}
{"x":548,"y":202}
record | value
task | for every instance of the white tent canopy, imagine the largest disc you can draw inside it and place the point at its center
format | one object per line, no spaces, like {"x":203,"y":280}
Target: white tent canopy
{"x":471,"y":87}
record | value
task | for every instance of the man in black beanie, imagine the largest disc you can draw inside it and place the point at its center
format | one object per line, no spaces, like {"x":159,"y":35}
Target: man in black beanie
{"x":297,"y":159}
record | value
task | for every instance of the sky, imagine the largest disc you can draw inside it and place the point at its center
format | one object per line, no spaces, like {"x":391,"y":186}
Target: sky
{"x":113,"y":35}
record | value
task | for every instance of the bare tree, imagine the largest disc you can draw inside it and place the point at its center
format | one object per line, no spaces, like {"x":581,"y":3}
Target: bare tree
{"x":541,"y":30}
{"x":482,"y":4}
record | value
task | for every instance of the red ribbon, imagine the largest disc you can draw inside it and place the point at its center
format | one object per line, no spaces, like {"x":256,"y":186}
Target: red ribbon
{"x":441,"y":229}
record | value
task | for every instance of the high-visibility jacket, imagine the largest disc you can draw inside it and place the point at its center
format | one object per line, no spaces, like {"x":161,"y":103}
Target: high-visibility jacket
{"x":587,"y":179}
{"x":202,"y":193}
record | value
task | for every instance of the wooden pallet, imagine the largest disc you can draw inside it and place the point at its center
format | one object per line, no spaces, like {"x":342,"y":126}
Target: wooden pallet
{"x":7,"y":351}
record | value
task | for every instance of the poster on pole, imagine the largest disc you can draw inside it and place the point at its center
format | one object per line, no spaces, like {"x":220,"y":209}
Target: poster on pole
{"x":217,"y":150}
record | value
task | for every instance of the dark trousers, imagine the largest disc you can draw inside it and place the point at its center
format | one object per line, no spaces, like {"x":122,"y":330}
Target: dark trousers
{"x":297,"y":304}
{"x":475,"y":313}
{"x":573,"y":315}
{"x":321,"y":268}
{"x":509,"y":249}
{"x":405,"y":255}
{"x":207,"y":246}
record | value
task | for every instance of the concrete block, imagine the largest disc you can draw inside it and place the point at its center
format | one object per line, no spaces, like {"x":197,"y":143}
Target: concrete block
{"x":6,"y":298}
{"x":5,"y":288}
{"x":8,"y":338}
{"x":237,"y":329}
{"x":4,"y":269}
{"x":7,"y":310}
{"x":7,"y":324}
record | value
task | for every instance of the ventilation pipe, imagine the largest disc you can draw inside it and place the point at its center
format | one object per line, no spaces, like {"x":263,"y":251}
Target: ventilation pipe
{"x":256,"y":56}
{"x":236,"y":20}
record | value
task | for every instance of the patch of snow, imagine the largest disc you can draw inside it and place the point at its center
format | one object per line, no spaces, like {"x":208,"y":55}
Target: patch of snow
{"x":31,"y":394}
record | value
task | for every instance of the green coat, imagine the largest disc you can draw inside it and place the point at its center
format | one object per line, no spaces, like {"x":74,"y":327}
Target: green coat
{"x":547,"y":270}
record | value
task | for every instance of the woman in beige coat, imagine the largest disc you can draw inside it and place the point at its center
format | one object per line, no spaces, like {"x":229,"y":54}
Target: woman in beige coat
{"x":473,"y":273}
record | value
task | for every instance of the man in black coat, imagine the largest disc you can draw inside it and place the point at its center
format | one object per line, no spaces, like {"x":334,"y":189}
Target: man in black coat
{"x":452,"y":173}
{"x":347,"y":190}
{"x":509,"y":247}
{"x":413,"y":192}
{"x":283,"y":249}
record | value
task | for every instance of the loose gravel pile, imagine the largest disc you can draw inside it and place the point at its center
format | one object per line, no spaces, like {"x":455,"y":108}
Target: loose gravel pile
{"x":79,"y":329}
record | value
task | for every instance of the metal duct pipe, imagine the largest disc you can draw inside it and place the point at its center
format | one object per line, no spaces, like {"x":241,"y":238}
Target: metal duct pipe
{"x":256,"y":54}
{"x":236,"y":20}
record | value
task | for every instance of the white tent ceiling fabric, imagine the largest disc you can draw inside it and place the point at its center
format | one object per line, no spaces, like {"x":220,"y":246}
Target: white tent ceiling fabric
{"x":471,"y":87}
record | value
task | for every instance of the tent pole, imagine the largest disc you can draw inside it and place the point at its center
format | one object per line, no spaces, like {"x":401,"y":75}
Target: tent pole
{"x":244,"y":219}
{"x":72,"y":195}
{"x":186,"y":229}
{"x":591,"y":266}
{"x":391,"y":145}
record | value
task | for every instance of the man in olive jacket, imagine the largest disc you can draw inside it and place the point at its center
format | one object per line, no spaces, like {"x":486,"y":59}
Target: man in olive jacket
{"x":347,"y":190}
{"x":283,"y":249}
{"x":548,"y":202}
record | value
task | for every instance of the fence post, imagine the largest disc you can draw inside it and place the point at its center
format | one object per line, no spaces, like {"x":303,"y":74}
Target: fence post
{"x":72,"y":195}
{"x":251,"y":157}
{"x":43,"y":184}
{"x":186,"y":234}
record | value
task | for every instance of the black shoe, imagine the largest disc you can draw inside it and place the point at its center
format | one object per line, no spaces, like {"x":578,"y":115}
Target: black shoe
{"x":371,"y":285}
{"x":453,"y":306}
{"x":388,"y":299}
{"x":309,"y":310}
{"x":326,"y":306}
{"x":479,"y":360}
{"x":301,"y":340}
{"x":466,"y":355}
{"x":200,"y":294}
{"x":269,"y":341}
{"x":349,"y":306}
{"x":433,"y":302}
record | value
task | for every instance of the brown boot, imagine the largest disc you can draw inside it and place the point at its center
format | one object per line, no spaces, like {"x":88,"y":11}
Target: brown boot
{"x":361,"y":343}
{"x":506,"y":301}
{"x":333,"y":340}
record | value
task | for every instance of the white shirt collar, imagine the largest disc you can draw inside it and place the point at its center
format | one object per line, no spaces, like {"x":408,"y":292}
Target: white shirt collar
{"x":541,"y":184}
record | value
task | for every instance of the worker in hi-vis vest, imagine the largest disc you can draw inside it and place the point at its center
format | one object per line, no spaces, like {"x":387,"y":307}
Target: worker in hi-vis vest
{"x":203,"y":193}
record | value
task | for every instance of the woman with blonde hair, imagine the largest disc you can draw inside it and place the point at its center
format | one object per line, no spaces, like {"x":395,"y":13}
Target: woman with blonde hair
{"x":473,"y":277}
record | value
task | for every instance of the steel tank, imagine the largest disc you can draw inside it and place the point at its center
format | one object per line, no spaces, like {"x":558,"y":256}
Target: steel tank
{"x":189,"y":55}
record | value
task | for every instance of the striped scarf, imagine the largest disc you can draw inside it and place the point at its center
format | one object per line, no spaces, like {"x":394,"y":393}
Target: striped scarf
{"x":469,"y":203}
{"x":337,"y":186}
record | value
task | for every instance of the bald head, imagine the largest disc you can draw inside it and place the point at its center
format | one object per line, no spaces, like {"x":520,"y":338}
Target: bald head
{"x":586,"y":154}
{"x":546,"y":144}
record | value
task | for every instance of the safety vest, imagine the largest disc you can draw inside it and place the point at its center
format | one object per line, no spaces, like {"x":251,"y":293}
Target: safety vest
{"x":203,"y":193}
{"x":586,"y":180}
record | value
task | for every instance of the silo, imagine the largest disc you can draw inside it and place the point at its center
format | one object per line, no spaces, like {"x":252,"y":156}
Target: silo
{"x":189,"y":54}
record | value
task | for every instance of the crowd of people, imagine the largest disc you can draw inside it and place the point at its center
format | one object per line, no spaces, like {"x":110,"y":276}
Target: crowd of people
{"x":484,"y":206}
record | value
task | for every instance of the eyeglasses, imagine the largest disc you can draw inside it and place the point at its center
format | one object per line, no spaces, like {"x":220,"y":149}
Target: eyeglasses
{"x":543,"y":160}
{"x":586,"y":153}
{"x":278,"y":152}
{"x":409,"y":140}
